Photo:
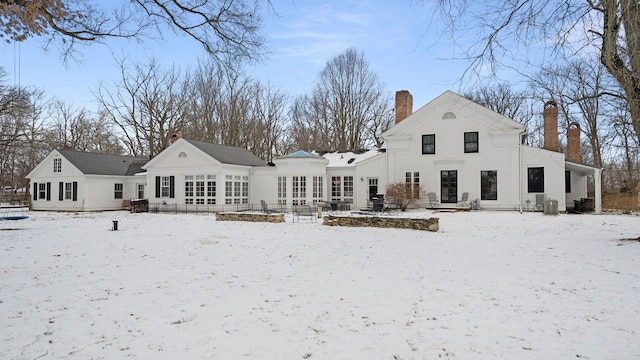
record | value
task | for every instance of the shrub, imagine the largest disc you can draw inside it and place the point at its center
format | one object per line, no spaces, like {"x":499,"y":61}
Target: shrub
{"x":404,"y":194}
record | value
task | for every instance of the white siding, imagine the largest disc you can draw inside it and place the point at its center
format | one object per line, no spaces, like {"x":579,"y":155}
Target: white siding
{"x":553,"y":164}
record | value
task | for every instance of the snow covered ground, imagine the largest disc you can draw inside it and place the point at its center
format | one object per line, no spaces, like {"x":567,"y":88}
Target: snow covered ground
{"x":488,"y":285}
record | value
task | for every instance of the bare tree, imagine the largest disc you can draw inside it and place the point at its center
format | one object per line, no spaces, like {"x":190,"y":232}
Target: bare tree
{"x":505,"y":28}
{"x":235,"y":108}
{"x":514,"y":104}
{"x":148,"y":106}
{"x":622,"y":166}
{"x":269,"y":112}
{"x":205,"y":91}
{"x":14,"y":102}
{"x":21,"y":125}
{"x":224,"y":28}
{"x":503,"y":99}
{"x":585,"y":93}
{"x":347,"y":108}
{"x":79,"y":129}
{"x":309,"y":130}
{"x":221,"y":105}
{"x":230,"y":108}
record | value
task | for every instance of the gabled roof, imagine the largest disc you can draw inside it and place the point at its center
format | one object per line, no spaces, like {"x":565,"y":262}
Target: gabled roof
{"x":350,"y":158}
{"x":103,"y":164}
{"x":451,"y":105}
{"x":228,"y":154}
{"x":301,"y":154}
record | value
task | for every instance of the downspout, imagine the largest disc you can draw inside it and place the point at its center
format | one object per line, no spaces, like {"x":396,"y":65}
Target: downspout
{"x":520,"y":177}
{"x":521,"y":135}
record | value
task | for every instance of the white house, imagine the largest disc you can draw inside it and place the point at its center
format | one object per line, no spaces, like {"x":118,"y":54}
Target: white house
{"x":198,"y":173}
{"x":453,"y":145}
{"x":79,"y":181}
{"x":449,"y":147}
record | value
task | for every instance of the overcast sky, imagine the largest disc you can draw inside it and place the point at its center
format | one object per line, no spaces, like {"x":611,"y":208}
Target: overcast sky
{"x":405,"y":43}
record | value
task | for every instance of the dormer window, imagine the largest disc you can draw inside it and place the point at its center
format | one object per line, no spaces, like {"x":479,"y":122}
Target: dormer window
{"x":57,"y":165}
{"x":471,"y":142}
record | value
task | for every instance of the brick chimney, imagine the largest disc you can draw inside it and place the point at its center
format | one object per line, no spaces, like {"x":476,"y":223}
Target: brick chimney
{"x":404,"y":105}
{"x":550,"y":115}
{"x":177,"y":135}
{"x":573,"y":142}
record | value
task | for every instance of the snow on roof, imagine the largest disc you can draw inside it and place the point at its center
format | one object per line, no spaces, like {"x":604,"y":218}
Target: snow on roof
{"x":349,"y":158}
{"x":301,"y":154}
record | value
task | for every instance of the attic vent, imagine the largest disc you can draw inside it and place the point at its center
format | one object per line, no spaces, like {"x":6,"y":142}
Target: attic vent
{"x":182,"y":154}
{"x":448,"y":115}
{"x":351,"y":160}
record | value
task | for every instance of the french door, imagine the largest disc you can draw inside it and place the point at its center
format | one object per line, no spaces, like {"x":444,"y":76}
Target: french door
{"x":449,"y":186}
{"x":373,"y":188}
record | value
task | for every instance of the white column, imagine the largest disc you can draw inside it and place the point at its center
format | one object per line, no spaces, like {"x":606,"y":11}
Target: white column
{"x":597,"y":178}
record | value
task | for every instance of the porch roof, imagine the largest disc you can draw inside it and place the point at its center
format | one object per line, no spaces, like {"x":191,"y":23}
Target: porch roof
{"x":582,"y":169}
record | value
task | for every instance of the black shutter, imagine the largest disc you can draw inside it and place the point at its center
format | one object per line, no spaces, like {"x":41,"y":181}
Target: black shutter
{"x":35,"y":191}
{"x":157,"y":186}
{"x":172,"y":181}
{"x":60,"y":191}
{"x":48,"y":191}
{"x":75,"y":191}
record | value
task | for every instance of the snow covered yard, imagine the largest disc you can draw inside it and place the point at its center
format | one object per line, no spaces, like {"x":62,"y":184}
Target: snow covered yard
{"x":488,"y":285}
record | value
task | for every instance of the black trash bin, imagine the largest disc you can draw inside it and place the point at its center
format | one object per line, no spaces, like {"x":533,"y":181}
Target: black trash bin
{"x":587,"y":204}
{"x":115,"y":225}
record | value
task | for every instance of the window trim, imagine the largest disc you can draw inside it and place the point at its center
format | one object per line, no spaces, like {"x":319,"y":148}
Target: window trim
{"x":140,"y":192}
{"x":485,"y":187}
{"x":318,"y":187}
{"x":468,"y":143}
{"x":68,"y":191}
{"x":428,"y":140}
{"x":42,"y":191}
{"x":118,"y":191}
{"x":57,"y":165}
{"x":412,"y":184}
{"x":535,"y":185}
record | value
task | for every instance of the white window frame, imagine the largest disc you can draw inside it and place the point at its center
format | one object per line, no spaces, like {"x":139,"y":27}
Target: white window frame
{"x":68,"y":191}
{"x":118,"y":189}
{"x":57,"y":165}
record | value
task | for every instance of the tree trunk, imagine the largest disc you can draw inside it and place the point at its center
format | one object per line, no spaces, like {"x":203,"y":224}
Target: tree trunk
{"x":627,"y":76}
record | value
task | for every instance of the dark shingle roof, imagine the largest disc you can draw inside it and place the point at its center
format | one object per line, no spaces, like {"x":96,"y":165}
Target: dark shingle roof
{"x":228,"y":154}
{"x":104,"y":164}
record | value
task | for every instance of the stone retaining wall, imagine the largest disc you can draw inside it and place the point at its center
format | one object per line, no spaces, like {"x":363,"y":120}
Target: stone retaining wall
{"x":253,"y":217}
{"x":430,"y":224}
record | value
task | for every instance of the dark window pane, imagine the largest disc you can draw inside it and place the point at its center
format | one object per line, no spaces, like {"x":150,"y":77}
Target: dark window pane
{"x":535,"y":180}
{"x":429,"y":144}
{"x":489,"y":185}
{"x":471,"y":142}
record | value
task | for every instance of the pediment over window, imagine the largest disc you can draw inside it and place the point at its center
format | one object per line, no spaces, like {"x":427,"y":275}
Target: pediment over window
{"x":448,"y":115}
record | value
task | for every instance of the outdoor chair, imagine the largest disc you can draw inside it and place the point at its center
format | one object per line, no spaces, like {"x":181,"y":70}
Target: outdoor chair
{"x":464,"y":202}
{"x":378,"y":206}
{"x":433,"y":200}
{"x":265,"y":208}
{"x":304,"y":211}
{"x":539,"y":202}
{"x":393,"y":205}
